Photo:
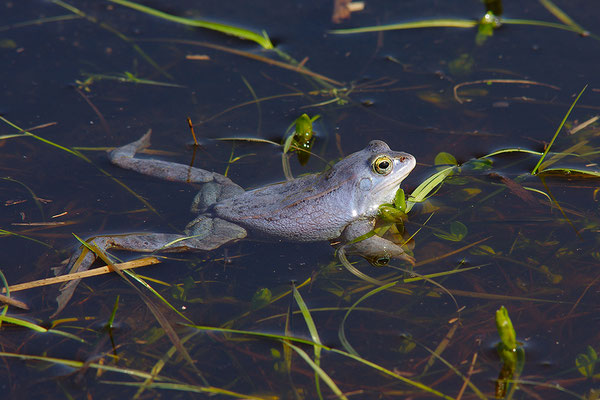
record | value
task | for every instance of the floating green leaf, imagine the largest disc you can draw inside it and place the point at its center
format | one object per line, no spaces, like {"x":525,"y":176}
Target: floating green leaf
{"x":443,"y":158}
{"x":479,"y":164}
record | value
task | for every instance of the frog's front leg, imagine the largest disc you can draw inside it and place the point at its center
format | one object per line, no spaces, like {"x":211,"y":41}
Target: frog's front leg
{"x":204,"y":234}
{"x":376,"y":250}
{"x":124,"y":157}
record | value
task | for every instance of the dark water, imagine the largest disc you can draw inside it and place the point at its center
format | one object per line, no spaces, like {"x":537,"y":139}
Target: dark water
{"x":541,"y":259}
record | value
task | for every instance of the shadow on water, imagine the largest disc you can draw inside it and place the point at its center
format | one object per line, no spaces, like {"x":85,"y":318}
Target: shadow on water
{"x":477,"y":103}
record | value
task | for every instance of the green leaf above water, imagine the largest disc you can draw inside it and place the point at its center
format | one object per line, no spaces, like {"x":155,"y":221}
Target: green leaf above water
{"x":506,"y":331}
{"x":400,"y":200}
{"x":511,"y":354}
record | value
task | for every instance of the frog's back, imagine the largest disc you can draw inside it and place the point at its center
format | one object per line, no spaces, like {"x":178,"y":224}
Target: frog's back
{"x":305,"y":209}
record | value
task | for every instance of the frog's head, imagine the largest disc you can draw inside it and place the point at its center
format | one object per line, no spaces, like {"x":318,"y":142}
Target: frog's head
{"x":375,"y":174}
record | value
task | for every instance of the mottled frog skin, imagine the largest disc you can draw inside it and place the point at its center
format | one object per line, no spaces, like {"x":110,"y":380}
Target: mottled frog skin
{"x":339,"y":205}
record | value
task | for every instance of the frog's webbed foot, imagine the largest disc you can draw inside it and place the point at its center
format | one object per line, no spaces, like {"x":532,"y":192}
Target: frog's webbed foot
{"x":124,"y":157}
{"x":83,"y":258}
{"x":376,"y":250}
{"x":213,"y":232}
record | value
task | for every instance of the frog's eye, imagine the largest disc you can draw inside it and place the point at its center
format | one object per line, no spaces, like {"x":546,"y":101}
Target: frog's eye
{"x":380,"y":261}
{"x":383,"y":165}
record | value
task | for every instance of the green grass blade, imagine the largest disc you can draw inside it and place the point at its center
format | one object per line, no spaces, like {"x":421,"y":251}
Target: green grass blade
{"x":156,"y":312}
{"x":80,"y":155}
{"x":111,"y":320}
{"x":314,"y":334}
{"x":77,"y":364}
{"x":125,"y":77}
{"x":4,"y":284}
{"x":545,"y":24}
{"x":112,"y":30}
{"x":539,"y":192}
{"x":474,"y":388}
{"x":23,"y":323}
{"x":568,"y":171}
{"x":368,"y":363}
{"x":39,"y":21}
{"x":561,"y":16}
{"x":142,"y":282}
{"x":25,"y":133}
{"x":4,"y":232}
{"x":318,"y":370}
{"x":188,"y":388}
{"x":261,"y":39}
{"x":444,"y":273}
{"x":535,"y":169}
{"x":35,"y":327}
{"x":307,"y":317}
{"x":341,"y":331}
{"x":428,"y":23}
{"x":567,"y":25}
{"x":513,"y":150}
{"x":341,"y":253}
{"x":426,"y":187}
{"x":67,"y":335}
{"x":38,"y":204}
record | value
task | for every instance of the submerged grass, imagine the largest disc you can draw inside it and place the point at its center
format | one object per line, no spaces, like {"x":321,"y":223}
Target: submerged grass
{"x":314,"y":334}
{"x":156,"y":312}
{"x":112,"y":30}
{"x":281,"y":338}
{"x":319,"y":365}
{"x":76,"y":153}
{"x":537,"y":166}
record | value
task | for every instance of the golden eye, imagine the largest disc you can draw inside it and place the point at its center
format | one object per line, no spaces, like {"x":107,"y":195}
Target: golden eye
{"x":381,"y":261}
{"x":383,"y":165}
{"x":378,"y":261}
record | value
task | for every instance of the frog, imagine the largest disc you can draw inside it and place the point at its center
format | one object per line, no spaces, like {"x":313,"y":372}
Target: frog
{"x":338,"y":205}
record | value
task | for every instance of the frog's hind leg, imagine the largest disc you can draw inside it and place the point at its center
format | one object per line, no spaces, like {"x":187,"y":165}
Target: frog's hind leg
{"x":124,"y":157}
{"x":212,"y":235}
